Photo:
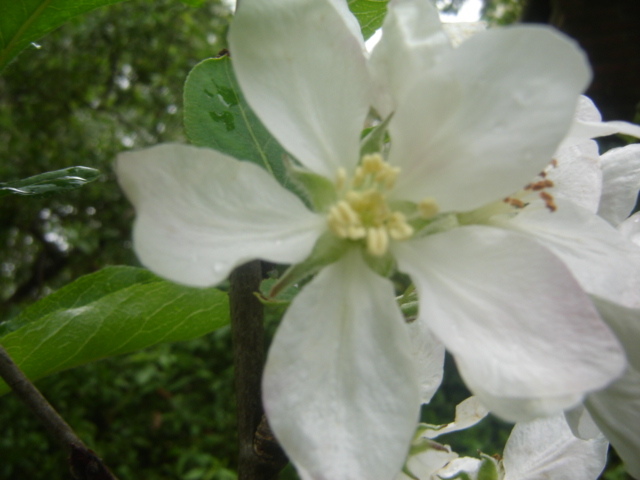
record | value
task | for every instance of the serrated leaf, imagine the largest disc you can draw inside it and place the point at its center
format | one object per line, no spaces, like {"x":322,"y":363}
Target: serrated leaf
{"x":370,"y":14}
{"x":114,"y":311}
{"x":51,"y":182}
{"x":217,"y":116}
{"x":25,"y":21}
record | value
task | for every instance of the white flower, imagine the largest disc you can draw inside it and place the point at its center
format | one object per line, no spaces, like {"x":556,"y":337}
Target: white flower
{"x":469,"y":125}
{"x":538,"y":450}
{"x":616,"y":409}
{"x":602,"y":191}
{"x":571,"y":211}
{"x":427,"y":457}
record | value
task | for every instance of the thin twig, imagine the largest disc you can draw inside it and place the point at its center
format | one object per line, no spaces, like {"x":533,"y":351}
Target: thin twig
{"x":248,"y":352}
{"x":85,"y":464}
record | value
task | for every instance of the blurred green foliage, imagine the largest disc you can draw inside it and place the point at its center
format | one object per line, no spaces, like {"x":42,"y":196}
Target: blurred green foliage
{"x":159,"y":414}
{"x":502,"y":12}
{"x":105,"y":82}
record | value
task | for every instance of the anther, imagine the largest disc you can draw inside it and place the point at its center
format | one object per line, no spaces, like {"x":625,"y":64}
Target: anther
{"x":548,"y":201}
{"x":398,"y":227}
{"x":428,"y":207}
{"x":377,"y":241}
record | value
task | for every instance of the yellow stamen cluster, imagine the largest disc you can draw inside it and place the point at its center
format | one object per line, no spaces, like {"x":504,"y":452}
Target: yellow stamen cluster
{"x":363,"y":211}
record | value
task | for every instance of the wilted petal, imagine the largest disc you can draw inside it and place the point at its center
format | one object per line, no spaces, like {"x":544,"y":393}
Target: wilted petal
{"x":428,"y":355}
{"x":512,"y":315}
{"x":616,"y":411}
{"x":339,"y":387}
{"x":411,"y":43}
{"x":601,"y":259}
{"x":200,"y":213}
{"x":465,"y":135}
{"x":546,"y":448}
{"x":621,"y":182}
{"x":303,"y":71}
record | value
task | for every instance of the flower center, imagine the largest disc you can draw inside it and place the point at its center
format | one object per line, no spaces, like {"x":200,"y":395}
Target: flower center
{"x":363,"y":213}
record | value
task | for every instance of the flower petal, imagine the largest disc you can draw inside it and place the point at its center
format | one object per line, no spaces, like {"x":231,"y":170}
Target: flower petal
{"x":339,"y":387}
{"x":600,"y":258}
{"x":470,"y":466}
{"x":526,"y":409}
{"x":468,"y":412}
{"x":621,"y":182}
{"x":488,"y":117}
{"x":303,"y":71}
{"x":424,"y":464}
{"x":616,"y":410}
{"x":576,"y":175}
{"x":428,"y":355}
{"x":546,"y":448}
{"x":630,"y":228}
{"x":411,"y":42}
{"x":201,"y":213}
{"x":517,"y":323}
{"x":581,"y":423}
{"x":625,"y":322}
{"x":588,"y":124}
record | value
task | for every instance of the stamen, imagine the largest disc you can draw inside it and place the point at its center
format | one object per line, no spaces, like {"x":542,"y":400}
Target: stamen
{"x":398,"y":227}
{"x":363,"y":211}
{"x":377,"y":241}
{"x":428,"y":207}
{"x":548,"y":201}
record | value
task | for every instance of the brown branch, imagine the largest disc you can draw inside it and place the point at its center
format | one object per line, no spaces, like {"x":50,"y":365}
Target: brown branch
{"x":248,"y":352}
{"x":85,"y":464}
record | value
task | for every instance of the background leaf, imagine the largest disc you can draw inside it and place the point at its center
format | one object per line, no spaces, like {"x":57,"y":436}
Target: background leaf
{"x":217,"y":116}
{"x":370,"y":14}
{"x":25,"y":21}
{"x":193,"y":3}
{"x":51,"y":182}
{"x":116,"y":310}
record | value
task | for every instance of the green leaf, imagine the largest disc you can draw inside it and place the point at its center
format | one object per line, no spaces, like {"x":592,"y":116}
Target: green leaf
{"x":51,"y":182}
{"x":25,"y":21}
{"x":217,"y":116}
{"x":193,"y":3}
{"x":114,"y":311}
{"x":370,"y":14}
